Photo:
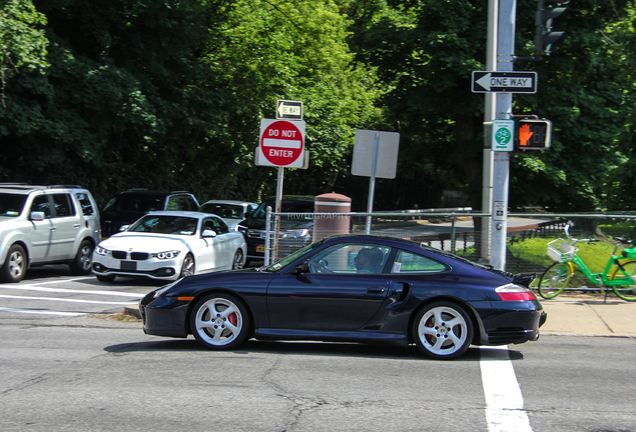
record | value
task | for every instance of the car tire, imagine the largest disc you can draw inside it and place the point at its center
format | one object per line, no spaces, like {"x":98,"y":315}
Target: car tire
{"x":187,"y":269}
{"x":83,"y":261}
{"x":108,"y":278}
{"x":15,"y":265}
{"x":237,"y":263}
{"x":220,"y":322}
{"x":442,"y":330}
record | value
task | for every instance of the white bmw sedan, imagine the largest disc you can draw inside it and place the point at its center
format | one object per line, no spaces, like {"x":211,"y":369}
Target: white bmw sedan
{"x":169,"y":245}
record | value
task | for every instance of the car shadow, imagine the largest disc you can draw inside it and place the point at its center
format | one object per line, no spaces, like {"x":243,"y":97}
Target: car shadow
{"x":253,"y":346}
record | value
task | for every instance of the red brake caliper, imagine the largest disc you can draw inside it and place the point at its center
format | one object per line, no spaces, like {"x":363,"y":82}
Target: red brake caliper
{"x":232,"y":319}
{"x":429,"y":338}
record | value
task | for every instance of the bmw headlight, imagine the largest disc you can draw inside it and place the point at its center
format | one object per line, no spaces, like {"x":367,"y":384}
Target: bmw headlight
{"x":101,"y":251}
{"x":166,"y":255}
{"x":294,"y":234}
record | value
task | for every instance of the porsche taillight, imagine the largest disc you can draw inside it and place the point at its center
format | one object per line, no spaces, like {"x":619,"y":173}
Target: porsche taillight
{"x":512,"y":292}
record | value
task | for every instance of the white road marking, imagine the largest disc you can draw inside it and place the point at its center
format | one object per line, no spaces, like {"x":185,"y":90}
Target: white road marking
{"x":504,"y":402}
{"x":67,"y":300}
{"x":70,"y":291}
{"x":28,"y":311}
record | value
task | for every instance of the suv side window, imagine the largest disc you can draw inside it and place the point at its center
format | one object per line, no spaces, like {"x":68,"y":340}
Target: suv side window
{"x":181,"y":202}
{"x":63,"y":205}
{"x":85,"y":203}
{"x":41,"y":204}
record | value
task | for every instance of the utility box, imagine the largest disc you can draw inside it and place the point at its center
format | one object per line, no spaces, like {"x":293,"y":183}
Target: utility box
{"x":328,"y":225}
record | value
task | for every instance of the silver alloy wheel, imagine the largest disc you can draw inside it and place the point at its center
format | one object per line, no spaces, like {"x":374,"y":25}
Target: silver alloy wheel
{"x":86,"y":257}
{"x":237,"y":264}
{"x":218,"y":322}
{"x":443,"y":331}
{"x":16,"y":264}
{"x":187,"y":269}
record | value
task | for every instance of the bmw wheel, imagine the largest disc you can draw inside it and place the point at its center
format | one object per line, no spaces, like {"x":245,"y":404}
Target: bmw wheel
{"x":15,"y":265}
{"x":187,"y":269}
{"x":220,"y":321}
{"x":442,"y":330}
{"x":237,"y":264}
{"x":83,"y":261}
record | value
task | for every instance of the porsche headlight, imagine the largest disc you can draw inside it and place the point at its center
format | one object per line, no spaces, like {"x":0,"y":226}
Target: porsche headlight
{"x":166,"y":255}
{"x":101,"y":251}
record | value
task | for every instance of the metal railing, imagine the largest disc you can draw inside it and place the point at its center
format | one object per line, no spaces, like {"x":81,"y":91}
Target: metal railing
{"x":457,"y":231}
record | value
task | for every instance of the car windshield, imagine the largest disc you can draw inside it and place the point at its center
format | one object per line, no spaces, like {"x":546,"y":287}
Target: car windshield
{"x":291,"y":258}
{"x":11,"y":205}
{"x":134,"y":204}
{"x":174,"y":225}
{"x":226,"y":211}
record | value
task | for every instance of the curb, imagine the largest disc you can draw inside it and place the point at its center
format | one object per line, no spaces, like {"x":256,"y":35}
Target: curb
{"x":133,"y":310}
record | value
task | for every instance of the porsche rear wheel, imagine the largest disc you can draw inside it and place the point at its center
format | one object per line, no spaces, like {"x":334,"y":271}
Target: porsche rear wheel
{"x":220,"y":321}
{"x":187,"y":269}
{"x":442,"y":330}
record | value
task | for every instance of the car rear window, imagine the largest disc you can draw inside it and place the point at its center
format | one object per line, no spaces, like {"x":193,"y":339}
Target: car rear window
{"x":85,"y":204}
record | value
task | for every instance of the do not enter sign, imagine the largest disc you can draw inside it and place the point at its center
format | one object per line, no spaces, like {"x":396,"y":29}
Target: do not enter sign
{"x":282,"y":143}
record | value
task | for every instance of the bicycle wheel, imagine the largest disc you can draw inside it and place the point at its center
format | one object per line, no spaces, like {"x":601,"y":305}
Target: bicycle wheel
{"x":554,"y":280}
{"x":626,"y":292}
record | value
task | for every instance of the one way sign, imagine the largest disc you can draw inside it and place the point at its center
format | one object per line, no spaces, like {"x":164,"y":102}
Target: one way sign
{"x":504,"y":82}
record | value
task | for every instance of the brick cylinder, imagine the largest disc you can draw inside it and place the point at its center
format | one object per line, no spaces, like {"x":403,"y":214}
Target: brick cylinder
{"x":328,"y":225}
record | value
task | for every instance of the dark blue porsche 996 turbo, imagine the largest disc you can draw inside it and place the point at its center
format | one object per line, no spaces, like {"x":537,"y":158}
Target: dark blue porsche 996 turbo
{"x":352,"y":288}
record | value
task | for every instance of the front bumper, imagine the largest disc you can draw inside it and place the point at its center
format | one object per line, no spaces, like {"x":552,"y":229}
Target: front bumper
{"x":164,"y":316}
{"x":151,"y":268}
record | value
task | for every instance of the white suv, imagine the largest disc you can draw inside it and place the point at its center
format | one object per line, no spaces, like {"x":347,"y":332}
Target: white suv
{"x":46,"y":225}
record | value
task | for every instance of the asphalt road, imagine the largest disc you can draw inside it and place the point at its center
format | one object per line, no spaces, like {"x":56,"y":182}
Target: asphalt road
{"x":88,"y":372}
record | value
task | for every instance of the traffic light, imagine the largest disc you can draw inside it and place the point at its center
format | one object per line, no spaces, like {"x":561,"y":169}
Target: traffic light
{"x":548,"y":11}
{"x":534,"y":134}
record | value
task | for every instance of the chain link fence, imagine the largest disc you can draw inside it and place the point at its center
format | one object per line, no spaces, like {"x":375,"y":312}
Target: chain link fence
{"x":461,"y":232}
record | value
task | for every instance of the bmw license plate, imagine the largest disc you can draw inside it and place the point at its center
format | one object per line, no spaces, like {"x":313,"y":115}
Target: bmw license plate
{"x":128,"y":265}
{"x":260,"y":248}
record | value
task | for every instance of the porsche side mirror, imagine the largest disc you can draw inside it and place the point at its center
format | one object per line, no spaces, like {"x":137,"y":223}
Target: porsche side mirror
{"x":302,"y":267}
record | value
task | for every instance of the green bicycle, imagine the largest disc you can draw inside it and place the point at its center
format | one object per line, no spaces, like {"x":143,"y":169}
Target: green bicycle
{"x":619,"y":274}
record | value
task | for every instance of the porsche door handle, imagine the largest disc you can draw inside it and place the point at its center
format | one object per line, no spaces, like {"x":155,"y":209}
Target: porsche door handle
{"x":376,"y":290}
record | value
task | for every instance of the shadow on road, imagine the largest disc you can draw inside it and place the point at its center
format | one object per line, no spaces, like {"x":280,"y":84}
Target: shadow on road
{"x":306,"y":348}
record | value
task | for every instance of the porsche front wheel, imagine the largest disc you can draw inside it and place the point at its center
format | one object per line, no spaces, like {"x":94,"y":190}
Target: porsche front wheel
{"x":442,"y":330}
{"x":220,"y":321}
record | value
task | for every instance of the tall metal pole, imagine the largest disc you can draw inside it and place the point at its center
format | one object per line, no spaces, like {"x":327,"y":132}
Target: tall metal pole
{"x":501,"y":162}
{"x":489,"y":116}
{"x":374,"y":166}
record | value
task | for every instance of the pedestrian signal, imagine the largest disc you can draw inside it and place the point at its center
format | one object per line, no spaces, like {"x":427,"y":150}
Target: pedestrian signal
{"x":534,"y":134}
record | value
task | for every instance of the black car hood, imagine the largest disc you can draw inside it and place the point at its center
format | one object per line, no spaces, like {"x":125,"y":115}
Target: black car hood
{"x":112,"y":221}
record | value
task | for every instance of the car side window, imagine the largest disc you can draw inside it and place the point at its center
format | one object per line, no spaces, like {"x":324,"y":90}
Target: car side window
{"x":216,"y":225}
{"x":408,"y":262}
{"x":63,"y":205}
{"x":85,"y":203}
{"x":41,"y":204}
{"x":362,"y":258}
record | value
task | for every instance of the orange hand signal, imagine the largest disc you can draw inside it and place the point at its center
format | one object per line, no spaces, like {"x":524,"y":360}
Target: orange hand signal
{"x":524,"y":135}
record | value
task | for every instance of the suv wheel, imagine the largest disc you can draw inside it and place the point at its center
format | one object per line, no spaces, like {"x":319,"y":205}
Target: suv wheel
{"x":15,"y":265}
{"x":83,"y":261}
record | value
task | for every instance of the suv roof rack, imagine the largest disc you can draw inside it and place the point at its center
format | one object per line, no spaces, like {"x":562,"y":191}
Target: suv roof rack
{"x":64,"y":186}
{"x":14,"y":184}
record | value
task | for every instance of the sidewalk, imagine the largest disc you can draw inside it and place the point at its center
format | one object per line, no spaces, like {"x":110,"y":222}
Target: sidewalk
{"x":588,"y":315}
